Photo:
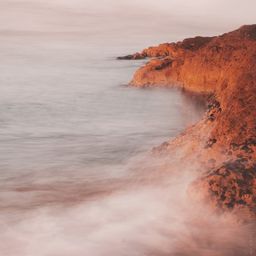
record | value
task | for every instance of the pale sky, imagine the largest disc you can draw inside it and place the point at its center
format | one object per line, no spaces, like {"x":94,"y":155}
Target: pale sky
{"x":206,"y":17}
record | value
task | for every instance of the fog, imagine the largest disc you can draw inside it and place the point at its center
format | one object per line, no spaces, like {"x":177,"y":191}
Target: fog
{"x":147,"y":213}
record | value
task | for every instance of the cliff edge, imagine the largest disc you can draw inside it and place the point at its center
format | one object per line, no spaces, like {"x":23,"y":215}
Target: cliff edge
{"x":224,"y":141}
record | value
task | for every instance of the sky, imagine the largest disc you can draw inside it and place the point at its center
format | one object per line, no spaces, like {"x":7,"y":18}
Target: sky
{"x":179,"y":17}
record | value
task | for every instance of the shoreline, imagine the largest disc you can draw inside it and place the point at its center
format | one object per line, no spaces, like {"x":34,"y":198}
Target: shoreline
{"x":224,"y":142}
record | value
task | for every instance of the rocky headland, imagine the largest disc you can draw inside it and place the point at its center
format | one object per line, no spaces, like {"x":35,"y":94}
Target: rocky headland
{"x":223,"y":143}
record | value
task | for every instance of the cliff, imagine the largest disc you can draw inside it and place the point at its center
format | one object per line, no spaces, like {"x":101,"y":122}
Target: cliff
{"x":224,"y":141}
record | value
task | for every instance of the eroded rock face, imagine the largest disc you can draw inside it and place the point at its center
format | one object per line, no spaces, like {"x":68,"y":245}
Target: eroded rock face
{"x":224,"y":142}
{"x":233,"y":185}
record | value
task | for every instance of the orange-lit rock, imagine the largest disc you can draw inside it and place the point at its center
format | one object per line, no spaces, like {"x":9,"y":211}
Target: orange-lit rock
{"x":224,"y":142}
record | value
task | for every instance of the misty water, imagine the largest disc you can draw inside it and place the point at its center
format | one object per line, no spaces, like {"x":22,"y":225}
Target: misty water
{"x":66,"y":108}
{"x":75,"y":178}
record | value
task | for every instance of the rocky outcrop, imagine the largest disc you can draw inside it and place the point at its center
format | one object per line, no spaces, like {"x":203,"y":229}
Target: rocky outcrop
{"x":224,"y":142}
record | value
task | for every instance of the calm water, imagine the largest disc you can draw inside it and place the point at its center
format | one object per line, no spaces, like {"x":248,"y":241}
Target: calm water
{"x":65,"y":107}
{"x":69,"y":126}
{"x":72,"y":132}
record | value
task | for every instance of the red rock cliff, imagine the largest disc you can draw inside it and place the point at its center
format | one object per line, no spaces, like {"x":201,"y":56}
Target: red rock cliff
{"x":224,"y":142}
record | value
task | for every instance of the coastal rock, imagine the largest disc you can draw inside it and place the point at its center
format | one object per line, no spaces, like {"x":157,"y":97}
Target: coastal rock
{"x":224,"y":141}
